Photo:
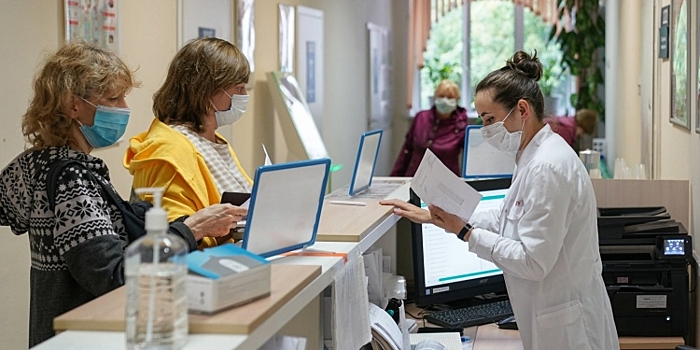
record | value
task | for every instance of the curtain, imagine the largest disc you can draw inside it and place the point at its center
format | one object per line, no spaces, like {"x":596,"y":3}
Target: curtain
{"x":423,"y":13}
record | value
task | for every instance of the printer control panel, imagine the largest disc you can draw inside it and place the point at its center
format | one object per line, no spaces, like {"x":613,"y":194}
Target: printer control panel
{"x":673,"y":247}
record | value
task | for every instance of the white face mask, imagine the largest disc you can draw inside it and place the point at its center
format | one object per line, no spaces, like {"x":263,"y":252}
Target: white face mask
{"x":499,"y":137}
{"x":239,"y":103}
{"x":445,"y":105}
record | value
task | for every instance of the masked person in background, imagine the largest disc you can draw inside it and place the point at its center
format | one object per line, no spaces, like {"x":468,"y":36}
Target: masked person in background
{"x":205,"y":89}
{"x":545,"y":236}
{"x":440,"y":129}
{"x":78,"y":225}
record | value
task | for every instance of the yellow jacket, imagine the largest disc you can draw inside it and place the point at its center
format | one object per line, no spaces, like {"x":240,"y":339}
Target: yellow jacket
{"x":163,"y":157}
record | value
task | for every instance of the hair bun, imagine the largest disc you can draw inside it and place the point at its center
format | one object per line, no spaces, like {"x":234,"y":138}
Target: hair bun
{"x":528,"y":66}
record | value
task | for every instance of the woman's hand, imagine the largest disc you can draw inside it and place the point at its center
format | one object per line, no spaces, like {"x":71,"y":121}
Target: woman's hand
{"x":408,"y":211}
{"x":445,"y":220}
{"x":215,"y":221}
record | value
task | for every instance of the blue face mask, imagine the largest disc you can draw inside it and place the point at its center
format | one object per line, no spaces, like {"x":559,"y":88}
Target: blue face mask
{"x":109,"y":125}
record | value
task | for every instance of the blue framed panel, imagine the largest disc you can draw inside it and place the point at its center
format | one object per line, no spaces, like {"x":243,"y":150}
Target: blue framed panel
{"x":285,"y":206}
{"x":481,"y":160}
{"x":366,"y":161}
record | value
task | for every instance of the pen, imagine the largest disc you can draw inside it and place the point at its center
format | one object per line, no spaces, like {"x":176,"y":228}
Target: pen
{"x":362,"y":204}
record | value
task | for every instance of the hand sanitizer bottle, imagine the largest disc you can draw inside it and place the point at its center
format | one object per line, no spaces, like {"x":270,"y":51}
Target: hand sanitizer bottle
{"x":156,"y":269}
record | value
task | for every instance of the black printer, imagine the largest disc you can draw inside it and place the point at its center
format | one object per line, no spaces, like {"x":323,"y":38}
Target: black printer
{"x":645,"y":255}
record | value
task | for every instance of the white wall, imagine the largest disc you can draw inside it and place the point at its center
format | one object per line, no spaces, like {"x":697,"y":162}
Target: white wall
{"x":623,"y":52}
{"x":23,"y":47}
{"x":677,"y":147}
{"x":676,"y":150}
{"x":32,"y":30}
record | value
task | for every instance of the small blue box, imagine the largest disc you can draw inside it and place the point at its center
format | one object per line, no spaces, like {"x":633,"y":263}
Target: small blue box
{"x":224,"y":277}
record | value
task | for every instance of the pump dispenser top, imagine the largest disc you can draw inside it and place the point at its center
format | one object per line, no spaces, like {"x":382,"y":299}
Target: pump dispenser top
{"x":156,"y":217}
{"x":156,"y":270}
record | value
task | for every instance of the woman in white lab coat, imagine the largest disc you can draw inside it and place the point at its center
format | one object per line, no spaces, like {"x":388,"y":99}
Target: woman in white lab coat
{"x":545,"y":237}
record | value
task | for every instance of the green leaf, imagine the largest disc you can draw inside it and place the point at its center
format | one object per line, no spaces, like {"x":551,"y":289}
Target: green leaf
{"x":580,"y":49}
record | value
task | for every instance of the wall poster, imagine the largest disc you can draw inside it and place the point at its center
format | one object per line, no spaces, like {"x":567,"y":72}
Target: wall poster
{"x":309,"y":69}
{"x":680,"y":82}
{"x":97,"y":21}
{"x":379,"y":76}
{"x":245,"y":34}
{"x":286,"y":38}
{"x":199,"y":19}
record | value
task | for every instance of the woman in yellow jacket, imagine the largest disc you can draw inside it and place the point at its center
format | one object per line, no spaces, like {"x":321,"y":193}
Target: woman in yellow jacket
{"x":181,"y":151}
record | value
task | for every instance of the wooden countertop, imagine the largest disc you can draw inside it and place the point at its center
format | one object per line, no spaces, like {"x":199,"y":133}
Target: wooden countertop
{"x":107,"y":312}
{"x":350,"y":223}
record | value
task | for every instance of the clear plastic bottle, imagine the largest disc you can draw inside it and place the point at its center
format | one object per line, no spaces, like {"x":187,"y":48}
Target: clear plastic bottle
{"x":156,"y":269}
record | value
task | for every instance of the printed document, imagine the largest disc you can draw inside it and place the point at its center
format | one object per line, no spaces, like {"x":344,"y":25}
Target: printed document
{"x":436,"y":185}
{"x":246,"y":204}
{"x":350,"y":321}
{"x":384,"y":329}
{"x":267,"y":156}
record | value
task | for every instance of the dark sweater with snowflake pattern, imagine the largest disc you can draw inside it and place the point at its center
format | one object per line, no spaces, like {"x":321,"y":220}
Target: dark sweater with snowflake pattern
{"x":77,"y":250}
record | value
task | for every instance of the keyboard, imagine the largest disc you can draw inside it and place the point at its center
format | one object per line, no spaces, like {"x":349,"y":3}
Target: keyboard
{"x":471,"y":315}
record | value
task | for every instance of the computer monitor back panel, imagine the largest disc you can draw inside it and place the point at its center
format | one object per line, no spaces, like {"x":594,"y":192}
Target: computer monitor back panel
{"x":444,"y":269}
{"x":483,"y":161}
{"x":285,"y":206}
{"x":366,"y":161}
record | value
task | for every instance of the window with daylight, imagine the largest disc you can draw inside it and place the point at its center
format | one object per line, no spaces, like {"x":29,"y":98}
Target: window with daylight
{"x":495,"y":30}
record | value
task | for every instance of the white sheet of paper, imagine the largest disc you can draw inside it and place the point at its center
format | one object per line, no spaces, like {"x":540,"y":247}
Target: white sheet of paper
{"x":375,"y":286}
{"x":403,"y":325}
{"x":349,"y":318}
{"x":436,"y":185}
{"x":267,"y":156}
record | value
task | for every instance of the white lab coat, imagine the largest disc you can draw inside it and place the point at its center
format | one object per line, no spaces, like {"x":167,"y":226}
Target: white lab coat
{"x":545,"y":239}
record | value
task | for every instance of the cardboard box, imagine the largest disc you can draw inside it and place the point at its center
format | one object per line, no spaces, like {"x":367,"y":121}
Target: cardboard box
{"x":225,"y":276}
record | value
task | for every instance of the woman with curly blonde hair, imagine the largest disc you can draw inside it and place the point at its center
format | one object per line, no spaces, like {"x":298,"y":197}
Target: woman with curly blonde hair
{"x":78,"y":229}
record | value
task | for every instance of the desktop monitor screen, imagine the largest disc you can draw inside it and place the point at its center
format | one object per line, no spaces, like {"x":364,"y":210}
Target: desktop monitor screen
{"x":444,"y":269}
{"x":366,"y":161}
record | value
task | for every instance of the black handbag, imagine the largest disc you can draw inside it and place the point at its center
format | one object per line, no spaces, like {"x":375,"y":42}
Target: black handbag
{"x":133,"y":215}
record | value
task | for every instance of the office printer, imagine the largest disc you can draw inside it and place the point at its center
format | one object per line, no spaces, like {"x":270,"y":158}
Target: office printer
{"x":645,"y":255}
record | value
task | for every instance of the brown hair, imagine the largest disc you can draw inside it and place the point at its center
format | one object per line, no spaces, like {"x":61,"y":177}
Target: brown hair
{"x":450,"y":86}
{"x":78,"y":68}
{"x":199,"y":70}
{"x":587,"y":120}
{"x":516,"y":80}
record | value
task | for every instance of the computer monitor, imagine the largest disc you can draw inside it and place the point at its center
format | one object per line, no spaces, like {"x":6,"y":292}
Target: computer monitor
{"x":444,"y":269}
{"x":481,"y":160}
{"x":366,"y":161}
